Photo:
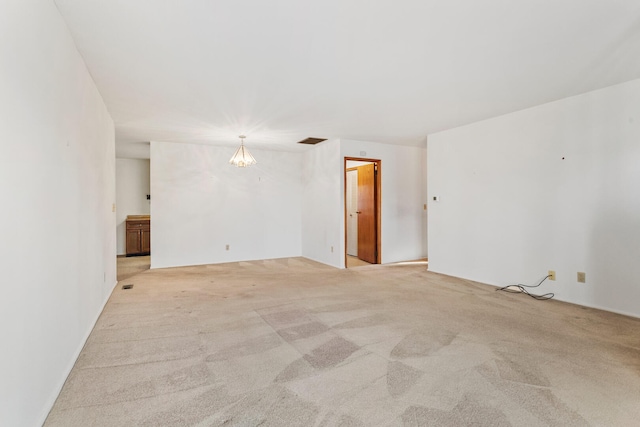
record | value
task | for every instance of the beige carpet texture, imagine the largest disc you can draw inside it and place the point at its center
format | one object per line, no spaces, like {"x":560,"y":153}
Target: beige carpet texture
{"x":291,"y":342}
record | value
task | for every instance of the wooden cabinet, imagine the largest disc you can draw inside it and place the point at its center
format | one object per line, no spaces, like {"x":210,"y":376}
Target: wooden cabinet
{"x":138,"y":235}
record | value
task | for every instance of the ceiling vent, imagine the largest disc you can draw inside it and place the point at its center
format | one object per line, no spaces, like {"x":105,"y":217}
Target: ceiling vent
{"x":312,"y":141}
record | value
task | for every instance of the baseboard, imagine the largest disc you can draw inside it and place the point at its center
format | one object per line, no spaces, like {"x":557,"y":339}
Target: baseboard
{"x":599,"y":307}
{"x":58,"y":389}
{"x":556,"y":297}
{"x":323,"y":262}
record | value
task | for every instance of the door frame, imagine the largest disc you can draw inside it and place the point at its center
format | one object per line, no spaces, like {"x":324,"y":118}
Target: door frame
{"x":377,"y":204}
{"x":347,"y":213}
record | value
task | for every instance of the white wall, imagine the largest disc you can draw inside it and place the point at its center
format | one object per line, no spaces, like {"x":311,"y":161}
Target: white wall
{"x":555,"y":187}
{"x":322,"y":212}
{"x":132,"y":187}
{"x":57,"y":186}
{"x":403,"y":197}
{"x":289,"y":204}
{"x":425,"y":212}
{"x":200,"y":203}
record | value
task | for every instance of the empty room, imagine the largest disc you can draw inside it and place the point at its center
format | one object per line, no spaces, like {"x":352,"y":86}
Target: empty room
{"x":243,"y":213}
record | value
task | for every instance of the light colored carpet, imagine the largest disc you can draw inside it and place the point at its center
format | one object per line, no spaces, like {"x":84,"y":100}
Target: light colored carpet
{"x":353,"y":261}
{"x":130,"y":266}
{"x":291,"y":342}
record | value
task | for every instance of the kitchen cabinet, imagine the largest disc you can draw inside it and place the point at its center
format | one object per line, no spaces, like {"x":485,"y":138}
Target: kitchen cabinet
{"x":138,"y":231}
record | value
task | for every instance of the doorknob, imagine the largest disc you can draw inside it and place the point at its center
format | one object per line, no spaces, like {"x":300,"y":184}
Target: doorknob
{"x":358,"y":212}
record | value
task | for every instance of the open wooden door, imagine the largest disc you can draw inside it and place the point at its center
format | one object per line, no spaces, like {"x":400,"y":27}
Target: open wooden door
{"x":352,"y":212}
{"x":367,"y":220}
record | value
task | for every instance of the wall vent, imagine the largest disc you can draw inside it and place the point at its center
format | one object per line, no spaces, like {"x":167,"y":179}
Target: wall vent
{"x":312,"y":141}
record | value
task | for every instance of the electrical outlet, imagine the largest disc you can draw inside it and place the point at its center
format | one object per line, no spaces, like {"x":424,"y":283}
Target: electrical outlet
{"x":227,"y":247}
{"x":582,"y":277}
{"x":331,"y":249}
{"x":552,"y":275}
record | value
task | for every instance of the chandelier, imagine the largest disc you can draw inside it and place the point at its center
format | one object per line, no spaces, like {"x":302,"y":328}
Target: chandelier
{"x":242,"y":158}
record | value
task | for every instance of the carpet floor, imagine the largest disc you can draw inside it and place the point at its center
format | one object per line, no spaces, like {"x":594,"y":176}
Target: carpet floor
{"x":353,"y":261}
{"x":130,"y":266}
{"x":290,"y":342}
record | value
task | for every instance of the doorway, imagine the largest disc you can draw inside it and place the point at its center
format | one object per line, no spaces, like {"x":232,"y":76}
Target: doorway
{"x":362,"y":178}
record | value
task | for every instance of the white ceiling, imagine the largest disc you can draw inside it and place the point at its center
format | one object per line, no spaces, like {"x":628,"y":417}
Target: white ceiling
{"x":205,"y":71}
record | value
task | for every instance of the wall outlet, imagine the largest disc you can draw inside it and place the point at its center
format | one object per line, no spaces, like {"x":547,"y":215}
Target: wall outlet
{"x":331,"y":249}
{"x":552,"y":275}
{"x":226,"y":247}
{"x":582,"y":277}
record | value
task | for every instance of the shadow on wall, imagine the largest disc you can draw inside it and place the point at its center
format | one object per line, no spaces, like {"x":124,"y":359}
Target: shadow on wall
{"x":613,"y":258}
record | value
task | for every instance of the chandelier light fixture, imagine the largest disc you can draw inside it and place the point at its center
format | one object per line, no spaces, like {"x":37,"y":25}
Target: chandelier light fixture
{"x":242,"y":158}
